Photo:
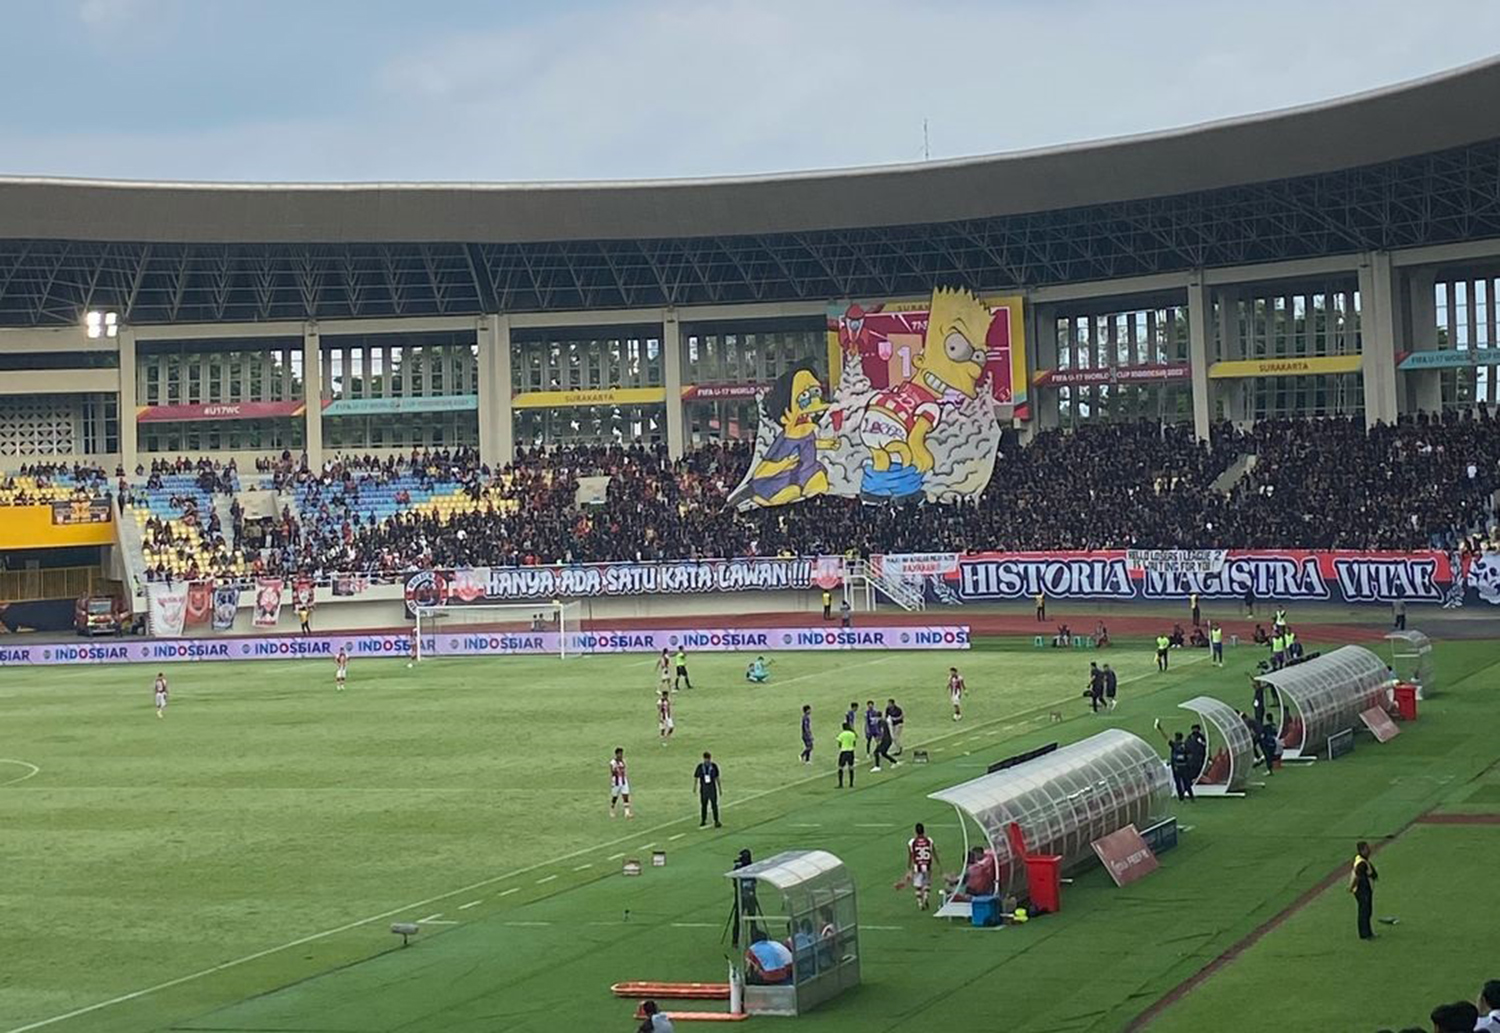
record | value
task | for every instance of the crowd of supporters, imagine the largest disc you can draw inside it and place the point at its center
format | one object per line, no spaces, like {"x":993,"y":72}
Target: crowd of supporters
{"x":1323,"y":483}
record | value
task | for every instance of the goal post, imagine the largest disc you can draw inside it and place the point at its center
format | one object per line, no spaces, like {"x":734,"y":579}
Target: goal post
{"x":552,"y":617}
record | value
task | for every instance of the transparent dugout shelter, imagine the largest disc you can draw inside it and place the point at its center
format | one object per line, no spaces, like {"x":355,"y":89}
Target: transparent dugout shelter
{"x":1231,"y":752}
{"x":1411,"y":659}
{"x":1324,"y":696}
{"x":804,"y":900}
{"x":1063,"y":801}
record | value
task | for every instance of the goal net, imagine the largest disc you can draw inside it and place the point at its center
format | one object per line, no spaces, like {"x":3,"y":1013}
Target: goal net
{"x":497,"y":628}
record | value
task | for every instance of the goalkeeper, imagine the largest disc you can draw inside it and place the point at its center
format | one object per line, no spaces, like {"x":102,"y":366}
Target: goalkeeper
{"x":758,"y":671}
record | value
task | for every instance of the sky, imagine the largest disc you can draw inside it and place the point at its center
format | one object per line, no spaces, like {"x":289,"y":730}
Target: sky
{"x":462,"y":90}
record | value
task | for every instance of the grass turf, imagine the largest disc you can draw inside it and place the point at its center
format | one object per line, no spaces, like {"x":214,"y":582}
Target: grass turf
{"x":267,"y":810}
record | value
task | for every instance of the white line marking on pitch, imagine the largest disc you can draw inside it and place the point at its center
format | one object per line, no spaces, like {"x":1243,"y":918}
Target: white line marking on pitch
{"x":430,"y":918}
{"x":884,"y":928}
{"x":615,"y":857}
{"x":300,"y":941}
{"x":670,"y":839}
{"x":700,"y":925}
{"x":445,"y":921}
{"x":582,"y":867}
{"x":806,"y":825}
{"x":472,"y":903}
{"x":545,"y":878}
{"x":529,"y":925}
{"x":35,"y":771}
{"x":647,"y":846}
{"x":874,"y":825}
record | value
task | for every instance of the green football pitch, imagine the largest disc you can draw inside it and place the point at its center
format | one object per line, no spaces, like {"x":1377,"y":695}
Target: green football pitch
{"x":236,"y":865}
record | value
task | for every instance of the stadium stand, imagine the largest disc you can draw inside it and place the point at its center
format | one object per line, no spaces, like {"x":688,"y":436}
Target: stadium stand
{"x":1326,"y":483}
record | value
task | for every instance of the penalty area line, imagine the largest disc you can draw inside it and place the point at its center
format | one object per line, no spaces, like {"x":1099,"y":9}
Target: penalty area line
{"x":35,"y":771}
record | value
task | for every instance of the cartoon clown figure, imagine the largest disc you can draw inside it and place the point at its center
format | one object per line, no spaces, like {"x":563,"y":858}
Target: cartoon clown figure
{"x":895,"y":423}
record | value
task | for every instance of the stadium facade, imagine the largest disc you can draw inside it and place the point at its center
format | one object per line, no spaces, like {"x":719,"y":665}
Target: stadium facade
{"x":1337,"y":258}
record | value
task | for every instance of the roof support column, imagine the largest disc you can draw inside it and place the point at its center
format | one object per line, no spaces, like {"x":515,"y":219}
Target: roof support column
{"x":1377,"y":331}
{"x":129,"y":429}
{"x":671,"y":365}
{"x":1424,"y":387}
{"x":1200,"y":316}
{"x":1041,"y":332}
{"x":1236,"y":392}
{"x":312,"y":396}
{"x":497,"y":419}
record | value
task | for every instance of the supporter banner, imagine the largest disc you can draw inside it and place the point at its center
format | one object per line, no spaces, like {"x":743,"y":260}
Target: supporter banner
{"x":218,"y":411}
{"x":1287,"y":367}
{"x":505,"y":584}
{"x":304,"y":593}
{"x":914,"y":566}
{"x":200,"y":603}
{"x":166,"y":607}
{"x":267,"y":602}
{"x":601,"y":396}
{"x":1283,"y":575}
{"x":391,"y":406}
{"x":1450,"y":358}
{"x":911,"y":412}
{"x":82,"y":511}
{"x":226,"y":605}
{"x":479,"y":643}
{"x":1113,"y":375}
{"x":350,"y":584}
{"x":707,"y":392}
{"x":1176,"y":561}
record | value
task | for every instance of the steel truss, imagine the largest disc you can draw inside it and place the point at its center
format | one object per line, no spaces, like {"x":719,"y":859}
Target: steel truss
{"x":1441,"y":198}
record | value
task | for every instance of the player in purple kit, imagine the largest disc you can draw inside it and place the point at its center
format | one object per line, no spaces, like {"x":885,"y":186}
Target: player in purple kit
{"x":807,"y":736}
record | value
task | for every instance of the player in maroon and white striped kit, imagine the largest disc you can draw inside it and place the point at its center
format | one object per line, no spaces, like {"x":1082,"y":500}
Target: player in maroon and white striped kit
{"x":921,"y":858}
{"x":956,"y":692}
{"x":619,"y":783}
{"x":664,"y":722}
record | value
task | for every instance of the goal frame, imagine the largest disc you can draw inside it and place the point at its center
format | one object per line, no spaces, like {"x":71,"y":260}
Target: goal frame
{"x":563,"y":616}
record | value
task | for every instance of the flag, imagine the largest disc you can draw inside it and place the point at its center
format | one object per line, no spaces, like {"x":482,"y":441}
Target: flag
{"x":166,"y":608}
{"x":267,"y":602}
{"x":226,"y":605}
{"x":200,"y":601}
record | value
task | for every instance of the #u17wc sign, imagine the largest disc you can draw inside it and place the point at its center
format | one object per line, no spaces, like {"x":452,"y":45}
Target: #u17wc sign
{"x":914,"y":412}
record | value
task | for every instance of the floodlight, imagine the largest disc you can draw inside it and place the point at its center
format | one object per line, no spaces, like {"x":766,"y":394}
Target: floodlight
{"x":98,"y":324}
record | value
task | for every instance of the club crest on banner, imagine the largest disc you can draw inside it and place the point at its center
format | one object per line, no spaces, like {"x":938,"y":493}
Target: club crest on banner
{"x":912,"y":413}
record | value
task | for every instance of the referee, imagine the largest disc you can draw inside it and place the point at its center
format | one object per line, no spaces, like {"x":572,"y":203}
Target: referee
{"x":847,"y":741}
{"x":706,"y":778}
{"x":1361,"y":876}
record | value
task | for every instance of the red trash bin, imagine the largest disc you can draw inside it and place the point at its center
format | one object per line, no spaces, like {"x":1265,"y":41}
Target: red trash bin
{"x":1405,"y":694}
{"x":1044,"y":876}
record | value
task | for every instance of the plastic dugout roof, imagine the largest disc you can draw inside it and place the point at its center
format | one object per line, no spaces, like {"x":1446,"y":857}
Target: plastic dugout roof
{"x":791,"y":868}
{"x":1330,"y":691}
{"x":1412,"y":637}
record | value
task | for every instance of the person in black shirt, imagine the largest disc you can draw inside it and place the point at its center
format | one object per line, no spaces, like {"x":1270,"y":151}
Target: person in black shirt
{"x":883,"y":742}
{"x":1180,"y":758}
{"x":1197,"y":749}
{"x":1096,"y":687}
{"x":706,"y":778}
{"x":896,"y":719}
{"x":1361,"y":877}
{"x":1111,"y":685}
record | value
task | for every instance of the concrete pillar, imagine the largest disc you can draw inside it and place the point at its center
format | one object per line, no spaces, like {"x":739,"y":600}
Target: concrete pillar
{"x":129,"y":429}
{"x":1377,"y":330}
{"x":1424,"y":388}
{"x":1200,"y":316}
{"x":503,"y":392}
{"x":1235,"y":393}
{"x":671,"y":365}
{"x":312,"y":395}
{"x":484,"y":360}
{"x":1041,"y":335}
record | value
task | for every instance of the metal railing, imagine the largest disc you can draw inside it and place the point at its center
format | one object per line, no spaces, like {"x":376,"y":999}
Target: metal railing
{"x":21,"y":586}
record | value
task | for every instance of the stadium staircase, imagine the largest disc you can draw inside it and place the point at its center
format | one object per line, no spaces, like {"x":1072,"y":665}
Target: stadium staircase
{"x":132,"y":555}
{"x":1226,"y":482}
{"x":903,"y":593}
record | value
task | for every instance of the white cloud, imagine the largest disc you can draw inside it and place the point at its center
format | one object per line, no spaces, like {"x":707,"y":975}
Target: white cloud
{"x":670,"y":87}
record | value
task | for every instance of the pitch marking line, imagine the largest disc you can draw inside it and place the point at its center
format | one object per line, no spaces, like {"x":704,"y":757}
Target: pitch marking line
{"x":545,"y":878}
{"x":874,"y":825}
{"x":529,"y":925}
{"x":616,"y":857}
{"x":581,"y":867}
{"x":35,"y":771}
{"x":700,"y":925}
{"x":481,"y":884}
{"x":472,"y":903}
{"x":430,"y":918}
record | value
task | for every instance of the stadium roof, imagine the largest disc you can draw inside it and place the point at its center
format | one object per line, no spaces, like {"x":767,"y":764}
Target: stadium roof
{"x":1417,"y":163}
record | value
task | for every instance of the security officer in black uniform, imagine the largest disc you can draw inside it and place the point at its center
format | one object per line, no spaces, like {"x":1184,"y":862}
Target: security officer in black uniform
{"x":1361,"y":876}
